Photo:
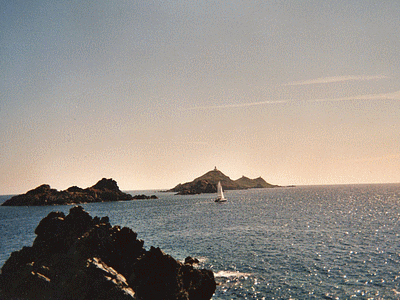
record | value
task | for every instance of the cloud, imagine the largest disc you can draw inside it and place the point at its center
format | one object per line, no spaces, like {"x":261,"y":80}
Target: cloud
{"x":336,"y":79}
{"x":234,"y":105}
{"x":386,"y":96}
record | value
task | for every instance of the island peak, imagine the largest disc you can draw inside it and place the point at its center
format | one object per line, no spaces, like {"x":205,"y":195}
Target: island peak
{"x":207,"y":183}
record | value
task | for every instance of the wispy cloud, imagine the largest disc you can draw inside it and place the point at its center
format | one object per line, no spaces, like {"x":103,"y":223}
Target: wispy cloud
{"x":387,"y":96}
{"x":336,"y":79}
{"x":234,"y":105}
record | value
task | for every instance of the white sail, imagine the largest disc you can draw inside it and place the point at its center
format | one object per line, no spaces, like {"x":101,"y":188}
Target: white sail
{"x":220,"y":193}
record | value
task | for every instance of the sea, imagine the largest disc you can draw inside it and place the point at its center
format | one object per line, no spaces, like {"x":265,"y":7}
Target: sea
{"x":304,"y":242}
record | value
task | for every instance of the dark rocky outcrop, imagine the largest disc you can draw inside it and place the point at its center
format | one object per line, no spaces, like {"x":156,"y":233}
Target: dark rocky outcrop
{"x":143,"y":197}
{"x":195,"y":187}
{"x":80,"y":257}
{"x":191,"y":261}
{"x":105,"y":190}
{"x":207,"y":183}
{"x":247,"y":183}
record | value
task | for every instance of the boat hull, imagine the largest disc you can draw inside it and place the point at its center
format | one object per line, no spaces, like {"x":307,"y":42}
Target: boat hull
{"x":220,"y":200}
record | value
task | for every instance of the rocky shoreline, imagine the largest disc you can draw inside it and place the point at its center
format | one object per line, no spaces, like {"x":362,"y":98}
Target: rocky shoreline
{"x":80,"y":257}
{"x":105,"y":190}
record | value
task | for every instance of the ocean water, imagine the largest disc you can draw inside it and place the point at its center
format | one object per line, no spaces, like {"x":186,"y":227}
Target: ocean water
{"x":307,"y":242}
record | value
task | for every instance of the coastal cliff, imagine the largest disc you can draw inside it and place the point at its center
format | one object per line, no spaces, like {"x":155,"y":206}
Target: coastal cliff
{"x":81,"y":257}
{"x":105,"y":190}
{"x":207,"y":183}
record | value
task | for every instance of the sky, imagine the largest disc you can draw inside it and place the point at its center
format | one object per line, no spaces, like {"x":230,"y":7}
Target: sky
{"x":156,"y":93}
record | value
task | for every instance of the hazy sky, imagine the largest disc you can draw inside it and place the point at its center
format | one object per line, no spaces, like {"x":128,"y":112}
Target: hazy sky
{"x":154,"y":93}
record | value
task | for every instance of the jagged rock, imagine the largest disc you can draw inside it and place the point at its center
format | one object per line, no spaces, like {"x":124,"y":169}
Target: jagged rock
{"x":80,"y":257}
{"x":106,"y":184}
{"x":95,"y":280}
{"x":191,"y":261}
{"x":105,"y":190}
{"x":157,"y":275}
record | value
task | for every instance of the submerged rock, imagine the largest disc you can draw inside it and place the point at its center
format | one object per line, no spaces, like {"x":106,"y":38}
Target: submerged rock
{"x":80,"y":257}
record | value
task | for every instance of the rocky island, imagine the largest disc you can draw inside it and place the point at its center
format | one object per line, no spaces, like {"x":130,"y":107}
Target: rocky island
{"x":105,"y":190}
{"x":207,"y":183}
{"x":80,"y":257}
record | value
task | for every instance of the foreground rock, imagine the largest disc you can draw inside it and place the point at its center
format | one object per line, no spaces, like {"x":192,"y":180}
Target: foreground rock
{"x":207,"y":183}
{"x":80,"y":257}
{"x":105,"y":190}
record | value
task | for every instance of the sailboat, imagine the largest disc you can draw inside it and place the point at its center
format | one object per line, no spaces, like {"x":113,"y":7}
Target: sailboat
{"x":220,"y":193}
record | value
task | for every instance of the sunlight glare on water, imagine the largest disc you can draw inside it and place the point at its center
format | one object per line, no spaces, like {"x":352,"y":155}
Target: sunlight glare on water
{"x":332,"y":242}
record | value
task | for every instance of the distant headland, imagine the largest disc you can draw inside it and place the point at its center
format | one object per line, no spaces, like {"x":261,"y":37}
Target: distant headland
{"x":105,"y":190}
{"x":207,"y":183}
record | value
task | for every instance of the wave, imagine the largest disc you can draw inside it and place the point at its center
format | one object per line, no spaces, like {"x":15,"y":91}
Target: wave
{"x":228,"y":274}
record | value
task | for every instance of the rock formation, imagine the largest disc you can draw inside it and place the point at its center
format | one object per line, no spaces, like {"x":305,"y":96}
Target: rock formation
{"x":105,"y":190}
{"x":207,"y":183}
{"x":80,"y":257}
{"x":247,"y":183}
